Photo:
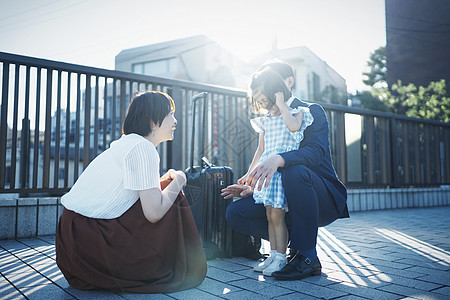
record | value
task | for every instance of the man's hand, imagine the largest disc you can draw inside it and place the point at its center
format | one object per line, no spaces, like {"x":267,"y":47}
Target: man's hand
{"x":236,"y":190}
{"x":264,"y":171}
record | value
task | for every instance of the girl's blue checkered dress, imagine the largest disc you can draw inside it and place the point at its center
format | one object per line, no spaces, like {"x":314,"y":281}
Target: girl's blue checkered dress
{"x":278,"y":139}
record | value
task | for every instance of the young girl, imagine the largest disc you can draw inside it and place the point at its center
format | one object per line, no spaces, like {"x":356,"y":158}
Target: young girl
{"x":281,"y":130}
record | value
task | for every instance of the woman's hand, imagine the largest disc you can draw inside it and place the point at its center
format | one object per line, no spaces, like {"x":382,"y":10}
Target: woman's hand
{"x":156,"y":202}
{"x":167,"y":175}
{"x":172,"y":174}
{"x":178,"y":176}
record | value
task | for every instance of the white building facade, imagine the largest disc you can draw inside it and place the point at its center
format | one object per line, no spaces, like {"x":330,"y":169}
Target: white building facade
{"x":199,"y":59}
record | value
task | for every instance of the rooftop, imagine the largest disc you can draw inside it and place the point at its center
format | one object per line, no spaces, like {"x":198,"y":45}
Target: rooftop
{"x":388,"y":254}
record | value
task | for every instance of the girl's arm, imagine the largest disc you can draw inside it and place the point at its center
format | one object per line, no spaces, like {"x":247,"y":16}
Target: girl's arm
{"x":293,"y":122}
{"x":155,"y":203}
{"x":259,"y":151}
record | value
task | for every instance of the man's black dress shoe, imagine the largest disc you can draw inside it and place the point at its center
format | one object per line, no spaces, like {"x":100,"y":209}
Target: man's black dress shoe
{"x":298,"y":268}
{"x":291,"y":254}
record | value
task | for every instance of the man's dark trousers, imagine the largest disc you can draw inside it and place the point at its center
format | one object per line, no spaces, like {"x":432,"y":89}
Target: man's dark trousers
{"x":310,"y":205}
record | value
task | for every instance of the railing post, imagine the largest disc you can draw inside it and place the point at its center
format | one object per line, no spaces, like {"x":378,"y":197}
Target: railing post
{"x":48,"y":129}
{"x":24,"y":153}
{"x":175,"y":147}
{"x":25,"y":138}
{"x":122,"y":105}
{"x":394,"y":155}
{"x":4,"y":124}
{"x":87,"y":123}
{"x":14,"y":126}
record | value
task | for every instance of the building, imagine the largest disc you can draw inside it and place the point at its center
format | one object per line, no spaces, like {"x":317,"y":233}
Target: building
{"x":315,"y":79}
{"x":418,"y":43}
{"x":196,"y":59}
{"x":199,"y":59}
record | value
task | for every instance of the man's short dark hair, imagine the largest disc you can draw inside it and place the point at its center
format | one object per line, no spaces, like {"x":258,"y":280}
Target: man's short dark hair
{"x":279,"y":66}
{"x":147,"y":108}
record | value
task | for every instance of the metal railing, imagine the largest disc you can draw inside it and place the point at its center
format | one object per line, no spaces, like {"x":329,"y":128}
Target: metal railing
{"x":373,"y":149}
{"x":56,"y":117}
{"x":56,"y":102}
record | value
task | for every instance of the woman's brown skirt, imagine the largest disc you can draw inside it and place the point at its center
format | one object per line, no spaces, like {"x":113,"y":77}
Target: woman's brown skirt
{"x":130,"y":254}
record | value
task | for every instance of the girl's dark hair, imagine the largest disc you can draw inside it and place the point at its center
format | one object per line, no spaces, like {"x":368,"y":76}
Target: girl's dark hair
{"x":268,"y":82}
{"x":147,"y":108}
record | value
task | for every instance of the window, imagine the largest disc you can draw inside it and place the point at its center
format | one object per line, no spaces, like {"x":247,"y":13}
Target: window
{"x":158,"y":67}
{"x":8,"y":175}
{"x":138,"y":68}
{"x":316,"y":87}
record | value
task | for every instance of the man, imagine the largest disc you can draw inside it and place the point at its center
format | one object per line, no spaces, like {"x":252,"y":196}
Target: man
{"x":314,"y":194}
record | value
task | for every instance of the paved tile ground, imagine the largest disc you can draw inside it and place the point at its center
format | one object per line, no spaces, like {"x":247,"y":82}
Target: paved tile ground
{"x":393,"y":254}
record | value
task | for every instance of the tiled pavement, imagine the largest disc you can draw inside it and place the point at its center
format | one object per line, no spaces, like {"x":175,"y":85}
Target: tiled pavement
{"x":390,"y":254}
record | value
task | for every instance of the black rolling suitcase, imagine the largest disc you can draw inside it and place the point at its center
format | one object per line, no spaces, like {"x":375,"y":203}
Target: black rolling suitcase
{"x":203,"y":188}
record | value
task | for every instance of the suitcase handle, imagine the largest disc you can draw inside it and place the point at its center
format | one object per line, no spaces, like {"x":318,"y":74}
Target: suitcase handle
{"x":207,"y":162}
{"x":194,"y":101}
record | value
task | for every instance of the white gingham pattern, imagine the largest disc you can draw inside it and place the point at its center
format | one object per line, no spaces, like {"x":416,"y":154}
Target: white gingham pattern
{"x":278,"y":139}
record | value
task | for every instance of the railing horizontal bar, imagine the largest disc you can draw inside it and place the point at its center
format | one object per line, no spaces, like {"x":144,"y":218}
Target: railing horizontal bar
{"x":374,"y":113}
{"x":38,"y":62}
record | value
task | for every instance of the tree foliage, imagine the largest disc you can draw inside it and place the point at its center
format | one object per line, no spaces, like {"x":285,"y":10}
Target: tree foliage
{"x":371,"y":101}
{"x":376,"y":76}
{"x":430,"y":102}
{"x":332,"y":95}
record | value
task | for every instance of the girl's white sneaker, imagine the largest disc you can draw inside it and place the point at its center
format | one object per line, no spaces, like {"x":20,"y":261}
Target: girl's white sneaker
{"x":263,"y":265}
{"x":278,"y":263}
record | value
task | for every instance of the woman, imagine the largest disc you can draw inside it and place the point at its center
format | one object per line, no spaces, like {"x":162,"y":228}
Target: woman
{"x":123,"y":228}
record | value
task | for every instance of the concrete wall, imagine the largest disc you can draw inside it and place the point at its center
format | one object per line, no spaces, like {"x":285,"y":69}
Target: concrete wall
{"x":377,"y":199}
{"x":30,"y":217}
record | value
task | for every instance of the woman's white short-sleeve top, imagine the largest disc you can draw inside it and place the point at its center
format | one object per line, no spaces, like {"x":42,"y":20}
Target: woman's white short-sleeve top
{"x":110,"y":185}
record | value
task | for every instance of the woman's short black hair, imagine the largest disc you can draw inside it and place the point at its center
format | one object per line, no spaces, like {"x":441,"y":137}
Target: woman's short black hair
{"x":145,"y":109}
{"x":269,"y":83}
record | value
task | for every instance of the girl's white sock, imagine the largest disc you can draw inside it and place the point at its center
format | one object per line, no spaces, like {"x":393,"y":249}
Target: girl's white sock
{"x":281,"y":255}
{"x":273,"y":253}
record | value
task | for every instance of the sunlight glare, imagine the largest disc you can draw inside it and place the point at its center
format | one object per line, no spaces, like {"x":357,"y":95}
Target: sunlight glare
{"x":350,"y":256}
{"x":425,"y":249}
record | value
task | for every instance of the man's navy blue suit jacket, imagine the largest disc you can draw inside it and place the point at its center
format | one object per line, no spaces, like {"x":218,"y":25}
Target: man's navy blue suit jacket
{"x":315,"y":153}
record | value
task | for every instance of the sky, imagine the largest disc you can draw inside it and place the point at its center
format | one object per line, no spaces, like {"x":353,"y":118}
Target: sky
{"x":343,"y":33}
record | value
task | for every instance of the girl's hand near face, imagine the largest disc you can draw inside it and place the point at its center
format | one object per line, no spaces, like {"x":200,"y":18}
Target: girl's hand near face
{"x":279,"y":100}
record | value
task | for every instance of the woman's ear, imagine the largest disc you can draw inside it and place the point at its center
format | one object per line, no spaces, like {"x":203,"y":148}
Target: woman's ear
{"x":153,"y":126}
